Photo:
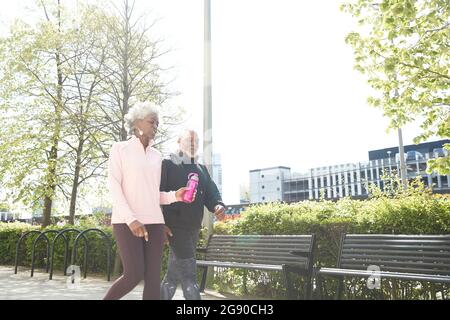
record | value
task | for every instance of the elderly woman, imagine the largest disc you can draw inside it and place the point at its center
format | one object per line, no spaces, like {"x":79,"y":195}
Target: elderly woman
{"x":184,"y":219}
{"x":138,"y":224}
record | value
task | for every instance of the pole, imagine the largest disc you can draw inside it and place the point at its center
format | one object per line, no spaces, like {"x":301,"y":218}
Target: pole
{"x":402,"y":159}
{"x":207,"y":118}
{"x":207,"y":105}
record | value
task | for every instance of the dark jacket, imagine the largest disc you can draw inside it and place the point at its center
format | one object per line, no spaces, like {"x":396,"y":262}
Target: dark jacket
{"x":188,"y":215}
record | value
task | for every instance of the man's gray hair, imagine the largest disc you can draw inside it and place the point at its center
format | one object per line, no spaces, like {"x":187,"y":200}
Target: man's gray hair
{"x":139,"y":110}
{"x":185,"y":130}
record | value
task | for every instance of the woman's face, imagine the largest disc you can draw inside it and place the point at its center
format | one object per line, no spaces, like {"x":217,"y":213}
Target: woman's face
{"x":148,"y":125}
{"x":189,"y":143}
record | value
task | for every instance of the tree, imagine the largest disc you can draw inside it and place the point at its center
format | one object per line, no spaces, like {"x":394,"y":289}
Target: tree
{"x":85,"y":157}
{"x":32,"y":105}
{"x":403,"y":48}
{"x":133,"y":72}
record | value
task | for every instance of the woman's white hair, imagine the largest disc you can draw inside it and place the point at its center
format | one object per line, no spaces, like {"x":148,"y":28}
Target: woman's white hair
{"x":140,"y":110}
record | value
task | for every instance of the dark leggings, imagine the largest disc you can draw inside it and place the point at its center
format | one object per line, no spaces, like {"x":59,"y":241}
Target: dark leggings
{"x":141,"y":260}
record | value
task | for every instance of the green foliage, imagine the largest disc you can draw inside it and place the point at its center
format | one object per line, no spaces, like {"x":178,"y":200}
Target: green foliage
{"x":403,"y":48}
{"x":414,"y":210}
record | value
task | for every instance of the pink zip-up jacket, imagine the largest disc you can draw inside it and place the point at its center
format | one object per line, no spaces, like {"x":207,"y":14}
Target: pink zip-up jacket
{"x":134,"y":176}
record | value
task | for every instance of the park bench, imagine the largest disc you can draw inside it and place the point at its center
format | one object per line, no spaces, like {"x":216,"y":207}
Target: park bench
{"x":284,"y":253}
{"x":404,"y":257}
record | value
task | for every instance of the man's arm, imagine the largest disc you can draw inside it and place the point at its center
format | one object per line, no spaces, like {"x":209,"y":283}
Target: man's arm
{"x":212,"y":196}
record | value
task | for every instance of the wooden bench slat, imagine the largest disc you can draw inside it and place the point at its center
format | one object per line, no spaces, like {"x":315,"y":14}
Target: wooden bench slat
{"x":399,"y":246}
{"x":419,"y":253}
{"x":388,"y":263}
{"x":260,"y":249}
{"x":260,"y":245}
{"x":260,"y":259}
{"x":394,"y":275}
{"x":396,"y":236}
{"x":266,"y":242}
{"x":226,"y":264}
{"x":424,"y":243}
{"x":250,"y":236}
{"x":286,"y":253}
{"x":405,"y":258}
{"x":391,"y":268}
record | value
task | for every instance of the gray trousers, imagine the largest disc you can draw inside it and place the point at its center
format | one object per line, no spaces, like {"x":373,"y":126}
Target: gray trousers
{"x":182,"y":266}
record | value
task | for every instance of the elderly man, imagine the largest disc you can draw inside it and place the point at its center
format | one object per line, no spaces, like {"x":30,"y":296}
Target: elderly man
{"x":183,"y":220}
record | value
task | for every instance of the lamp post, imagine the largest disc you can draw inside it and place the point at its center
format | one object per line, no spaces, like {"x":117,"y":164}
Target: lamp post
{"x":402,"y":159}
{"x":389,"y":160}
{"x":207,"y":104}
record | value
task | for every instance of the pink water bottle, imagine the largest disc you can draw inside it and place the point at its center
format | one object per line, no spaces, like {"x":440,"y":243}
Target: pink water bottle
{"x":191,"y":187}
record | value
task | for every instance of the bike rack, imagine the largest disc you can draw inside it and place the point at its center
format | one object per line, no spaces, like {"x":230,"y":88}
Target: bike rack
{"x":108,"y":250}
{"x":23,"y":236}
{"x":33,"y":251}
{"x":66,"y":250}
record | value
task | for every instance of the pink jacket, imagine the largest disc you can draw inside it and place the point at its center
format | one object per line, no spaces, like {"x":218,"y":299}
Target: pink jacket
{"x":134,"y":176}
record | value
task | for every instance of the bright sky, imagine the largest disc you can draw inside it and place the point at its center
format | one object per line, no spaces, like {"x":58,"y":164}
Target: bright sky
{"x":284,"y":89}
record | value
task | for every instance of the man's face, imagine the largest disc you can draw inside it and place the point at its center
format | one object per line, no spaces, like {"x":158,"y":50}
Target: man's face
{"x":189,"y":143}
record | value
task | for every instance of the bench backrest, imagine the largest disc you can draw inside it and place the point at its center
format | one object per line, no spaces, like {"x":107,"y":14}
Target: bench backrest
{"x":423,"y":254}
{"x":262,"y":249}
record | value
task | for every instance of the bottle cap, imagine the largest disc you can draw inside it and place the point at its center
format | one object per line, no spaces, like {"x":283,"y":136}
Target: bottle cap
{"x":193,"y":176}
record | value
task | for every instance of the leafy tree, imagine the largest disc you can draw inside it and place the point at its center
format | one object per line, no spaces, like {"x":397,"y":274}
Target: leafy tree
{"x":32,"y":104}
{"x":403,"y":48}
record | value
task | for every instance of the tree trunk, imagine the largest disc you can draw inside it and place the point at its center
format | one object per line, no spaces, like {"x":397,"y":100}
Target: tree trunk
{"x":76,"y":178}
{"x":125,"y":71}
{"x":53,"y":157}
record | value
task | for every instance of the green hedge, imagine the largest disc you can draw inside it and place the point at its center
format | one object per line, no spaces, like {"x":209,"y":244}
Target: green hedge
{"x":416,"y":211}
{"x":11,"y":232}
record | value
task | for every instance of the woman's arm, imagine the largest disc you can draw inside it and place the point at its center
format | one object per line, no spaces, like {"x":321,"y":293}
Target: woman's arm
{"x":115,"y":186}
{"x":165,"y":195}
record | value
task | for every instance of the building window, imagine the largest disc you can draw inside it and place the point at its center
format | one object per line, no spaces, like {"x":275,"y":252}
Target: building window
{"x":263,"y":187}
{"x":262,"y":176}
{"x":278,"y":189}
{"x":264,"y":198}
{"x":278,"y":178}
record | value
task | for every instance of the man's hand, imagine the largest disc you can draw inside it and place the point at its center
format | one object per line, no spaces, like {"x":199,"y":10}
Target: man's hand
{"x":219,"y":212}
{"x":139,"y":230}
{"x":180,"y":193}
{"x":167,"y":233}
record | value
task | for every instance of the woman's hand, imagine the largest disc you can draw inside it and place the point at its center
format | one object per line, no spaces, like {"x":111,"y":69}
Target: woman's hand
{"x":180,"y":193}
{"x":167,"y":233}
{"x":139,"y":230}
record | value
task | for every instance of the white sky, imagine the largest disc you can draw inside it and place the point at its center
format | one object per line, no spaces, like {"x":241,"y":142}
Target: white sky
{"x":284,"y":88}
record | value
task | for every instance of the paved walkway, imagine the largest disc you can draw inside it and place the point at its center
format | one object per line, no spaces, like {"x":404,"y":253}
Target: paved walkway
{"x":21,"y":286}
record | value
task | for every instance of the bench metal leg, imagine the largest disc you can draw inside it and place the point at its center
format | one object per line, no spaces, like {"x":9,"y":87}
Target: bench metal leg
{"x":288,"y":283}
{"x":203,"y":283}
{"x":340,"y":288}
{"x":308,"y":287}
{"x":319,"y":286}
